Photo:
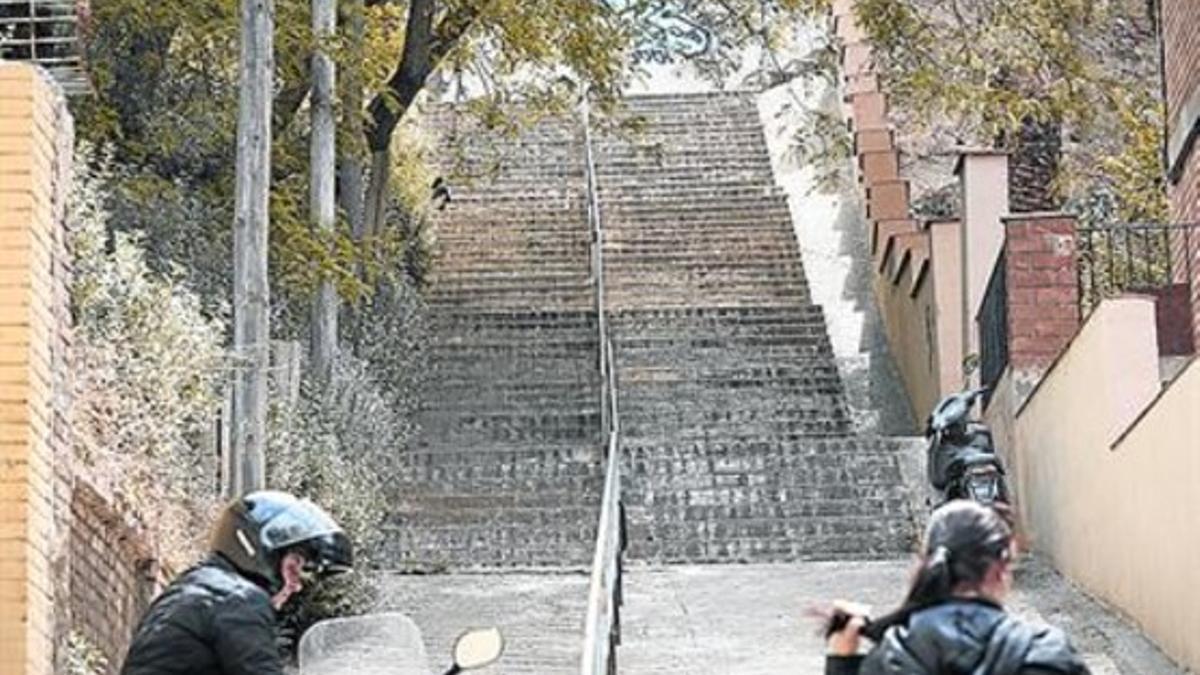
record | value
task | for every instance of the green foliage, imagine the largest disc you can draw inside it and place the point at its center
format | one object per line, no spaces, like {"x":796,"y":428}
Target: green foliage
{"x":147,"y":368}
{"x":819,"y":138}
{"x":344,"y":595}
{"x":166,"y":82}
{"x":1115,"y":260}
{"x":997,"y":61}
{"x":166,"y":105}
{"x":1124,"y":182}
{"x":390,"y":336}
{"x":983,"y":67}
{"x":182,"y":227}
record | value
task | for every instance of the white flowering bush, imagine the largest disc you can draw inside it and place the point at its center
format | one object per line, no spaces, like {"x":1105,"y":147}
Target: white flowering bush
{"x":147,"y":365}
{"x":336,"y":445}
{"x":148,"y":370}
{"x":391,"y":335}
{"x":83,"y":657}
{"x":339,"y":445}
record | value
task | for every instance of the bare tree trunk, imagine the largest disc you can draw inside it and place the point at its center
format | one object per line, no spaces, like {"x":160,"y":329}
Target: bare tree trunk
{"x":377,"y":191}
{"x":351,"y":186}
{"x":322,"y":195}
{"x":251,"y":292}
{"x":351,"y":167}
{"x":387,"y":110}
{"x":425,"y":46}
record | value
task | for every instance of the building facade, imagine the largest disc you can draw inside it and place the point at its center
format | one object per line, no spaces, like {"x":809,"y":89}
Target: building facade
{"x":1180,"y":31}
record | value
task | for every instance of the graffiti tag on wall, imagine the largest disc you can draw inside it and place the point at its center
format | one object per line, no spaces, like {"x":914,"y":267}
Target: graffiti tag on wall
{"x":666,"y":32}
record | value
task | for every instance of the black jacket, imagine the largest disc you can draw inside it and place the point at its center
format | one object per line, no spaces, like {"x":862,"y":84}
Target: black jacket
{"x":209,"y":621}
{"x":965,"y":637}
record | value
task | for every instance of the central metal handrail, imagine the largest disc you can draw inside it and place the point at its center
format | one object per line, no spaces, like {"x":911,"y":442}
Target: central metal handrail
{"x":602,"y":627}
{"x":595,"y":224}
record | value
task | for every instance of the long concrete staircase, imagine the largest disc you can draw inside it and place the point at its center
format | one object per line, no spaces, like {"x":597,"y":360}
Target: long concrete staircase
{"x":734,"y":420}
{"x":736,"y":441}
{"x":507,"y":471}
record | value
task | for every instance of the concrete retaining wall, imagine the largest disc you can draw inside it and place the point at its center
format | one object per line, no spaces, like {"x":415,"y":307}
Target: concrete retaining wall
{"x":1107,"y":466}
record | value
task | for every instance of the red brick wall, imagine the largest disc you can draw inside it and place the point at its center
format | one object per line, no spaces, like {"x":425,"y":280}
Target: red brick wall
{"x":1185,"y":193}
{"x":1181,"y":65}
{"x":1185,"y":210}
{"x":1043,"y":291}
{"x":68,"y":561}
{"x":1181,"y":52}
{"x":113,"y":574}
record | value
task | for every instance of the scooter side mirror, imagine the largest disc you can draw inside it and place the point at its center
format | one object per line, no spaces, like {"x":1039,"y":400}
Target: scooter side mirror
{"x":478,"y":648}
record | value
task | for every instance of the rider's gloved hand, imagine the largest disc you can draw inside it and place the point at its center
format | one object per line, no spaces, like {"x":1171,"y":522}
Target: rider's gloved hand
{"x":847,"y":623}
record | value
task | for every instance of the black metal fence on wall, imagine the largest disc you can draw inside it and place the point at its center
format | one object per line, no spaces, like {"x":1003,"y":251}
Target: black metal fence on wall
{"x":45,"y":32}
{"x":1133,"y":258}
{"x":1155,"y":260}
{"x":993,"y":327}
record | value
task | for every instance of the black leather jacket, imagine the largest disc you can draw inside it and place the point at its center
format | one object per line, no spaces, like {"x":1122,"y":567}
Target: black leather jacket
{"x":209,"y":621}
{"x":965,"y":637}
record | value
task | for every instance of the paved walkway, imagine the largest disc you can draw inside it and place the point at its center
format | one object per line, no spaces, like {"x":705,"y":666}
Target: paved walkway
{"x":723,"y":619}
{"x":750,"y":619}
{"x":541,"y":616}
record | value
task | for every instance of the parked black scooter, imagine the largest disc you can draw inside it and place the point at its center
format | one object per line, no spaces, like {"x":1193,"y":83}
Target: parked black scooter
{"x":961,"y":460}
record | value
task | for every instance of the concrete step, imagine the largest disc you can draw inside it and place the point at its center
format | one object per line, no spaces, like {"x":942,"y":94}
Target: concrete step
{"x":467,"y":485}
{"x":514,"y":300}
{"x":662,"y":464}
{"x":684,"y":172}
{"x":512,"y":509}
{"x":684,"y":224}
{"x":532,"y":281}
{"x":760,"y":199}
{"x":834,"y":543}
{"x":476,"y":546}
{"x":477,"y":420}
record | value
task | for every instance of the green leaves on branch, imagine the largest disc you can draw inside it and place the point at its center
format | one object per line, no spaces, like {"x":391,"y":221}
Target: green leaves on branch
{"x":985,"y":67}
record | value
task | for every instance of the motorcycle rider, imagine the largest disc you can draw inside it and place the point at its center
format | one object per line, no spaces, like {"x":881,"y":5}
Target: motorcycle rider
{"x":218,"y":618}
{"x":953,"y":620}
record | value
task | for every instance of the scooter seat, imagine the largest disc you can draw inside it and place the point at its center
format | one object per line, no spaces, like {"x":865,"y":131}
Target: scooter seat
{"x":971,"y":458}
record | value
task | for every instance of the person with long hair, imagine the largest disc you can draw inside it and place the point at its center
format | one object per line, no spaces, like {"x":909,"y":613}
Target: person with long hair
{"x":953,"y":620}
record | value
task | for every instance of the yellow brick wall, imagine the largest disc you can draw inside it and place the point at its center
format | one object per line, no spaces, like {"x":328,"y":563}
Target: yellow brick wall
{"x":34,"y":130}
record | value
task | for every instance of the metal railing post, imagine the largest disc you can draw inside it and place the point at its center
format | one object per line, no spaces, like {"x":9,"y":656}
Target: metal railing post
{"x":1110,"y":260}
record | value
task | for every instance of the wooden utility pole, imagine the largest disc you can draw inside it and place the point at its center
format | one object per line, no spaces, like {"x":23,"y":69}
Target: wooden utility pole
{"x":322,"y":195}
{"x":251,"y":292}
{"x":352,"y":165}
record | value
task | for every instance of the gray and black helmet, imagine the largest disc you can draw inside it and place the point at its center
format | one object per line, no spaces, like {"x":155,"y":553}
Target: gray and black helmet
{"x":256,"y":531}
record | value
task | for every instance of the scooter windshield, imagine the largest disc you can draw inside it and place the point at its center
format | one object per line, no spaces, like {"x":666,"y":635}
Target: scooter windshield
{"x":372,"y":644}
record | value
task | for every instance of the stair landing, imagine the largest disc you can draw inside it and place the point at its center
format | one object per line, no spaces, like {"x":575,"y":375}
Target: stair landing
{"x":750,"y":619}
